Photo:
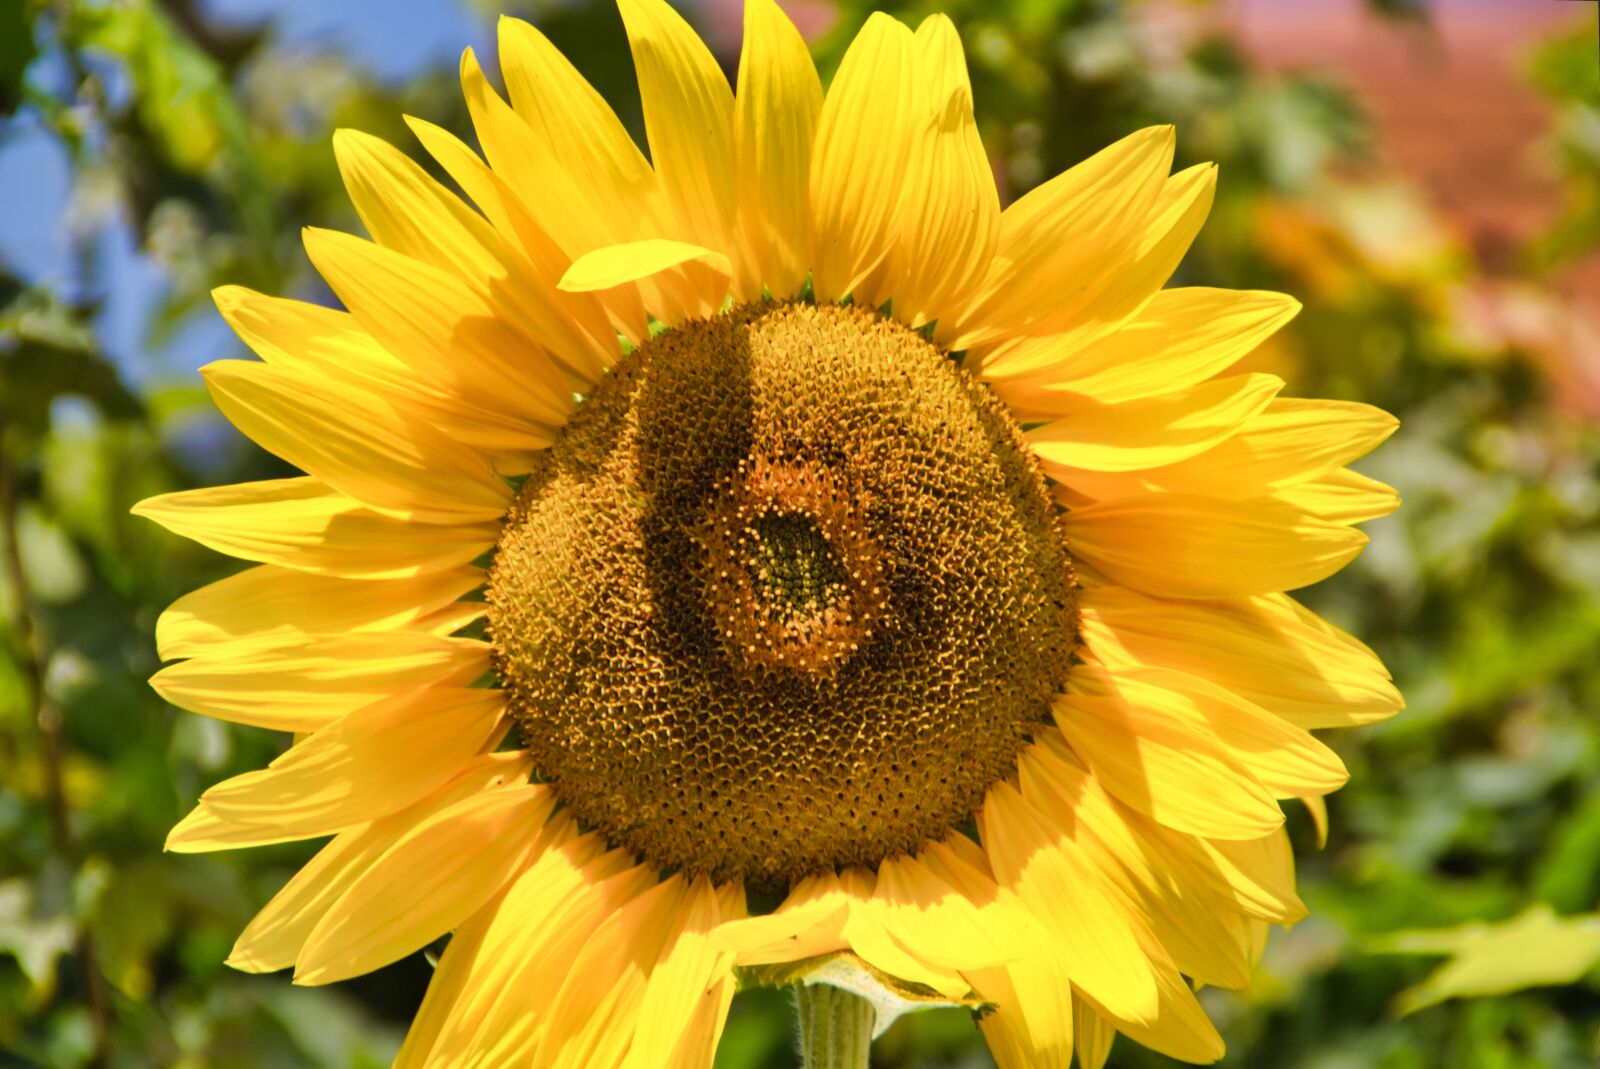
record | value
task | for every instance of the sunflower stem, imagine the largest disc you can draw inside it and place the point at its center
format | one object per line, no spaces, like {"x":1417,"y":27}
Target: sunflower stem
{"x":835,"y":1027}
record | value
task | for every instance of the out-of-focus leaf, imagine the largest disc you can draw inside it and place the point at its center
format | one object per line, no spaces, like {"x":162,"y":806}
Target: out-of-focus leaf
{"x":183,"y":100}
{"x":17,"y":49}
{"x":1534,"y":949}
{"x":36,"y":942}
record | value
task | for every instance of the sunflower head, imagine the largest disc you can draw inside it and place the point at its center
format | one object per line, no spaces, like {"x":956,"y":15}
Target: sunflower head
{"x":959,"y":626}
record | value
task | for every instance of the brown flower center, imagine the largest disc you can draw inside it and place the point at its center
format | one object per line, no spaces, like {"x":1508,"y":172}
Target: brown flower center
{"x":787,"y":593}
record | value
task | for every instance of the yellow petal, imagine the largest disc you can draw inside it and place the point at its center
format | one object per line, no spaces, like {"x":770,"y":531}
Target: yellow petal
{"x":1094,"y":1034}
{"x":1286,"y":759}
{"x":408,"y":211}
{"x":947,"y":223}
{"x":202,"y":831}
{"x":936,"y":923}
{"x":1317,"y":807}
{"x":1034,"y":989}
{"x":1181,"y":1029}
{"x":1182,"y":914}
{"x":1179,"y":210}
{"x":1181,"y":338}
{"x":592,"y":1018}
{"x":1148,"y":432}
{"x":487,"y":1002}
{"x":311,"y":339}
{"x":435,"y":324}
{"x":775,"y":121}
{"x":382,"y":456}
{"x":688,"y":117}
{"x":1268,"y":650}
{"x":371,"y":763}
{"x":1342,"y":496}
{"x":1291,"y":441}
{"x":1153,"y":750}
{"x":1252,"y":877}
{"x":304,"y":525}
{"x":672,"y":1025}
{"x":1050,"y":874}
{"x":273,"y":939}
{"x":305,"y":684}
{"x":268,"y":604}
{"x":861,"y":155}
{"x":563,"y":151}
{"x":1058,"y":243}
{"x":1012,"y":1041}
{"x":810,"y":921}
{"x":436,"y":876}
{"x":867,"y":936}
{"x":1179,"y":545}
{"x":679,"y":280}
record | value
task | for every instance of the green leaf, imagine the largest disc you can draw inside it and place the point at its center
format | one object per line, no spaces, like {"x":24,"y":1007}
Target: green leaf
{"x":1535,"y":949}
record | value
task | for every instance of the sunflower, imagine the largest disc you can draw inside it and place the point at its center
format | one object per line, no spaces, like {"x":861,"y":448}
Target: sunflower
{"x":771,"y":559}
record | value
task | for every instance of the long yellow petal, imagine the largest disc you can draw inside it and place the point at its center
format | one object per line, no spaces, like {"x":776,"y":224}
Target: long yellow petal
{"x":1048,"y":872}
{"x":1149,"y":432}
{"x":1342,"y":496}
{"x":933,"y":921}
{"x":563,"y":150}
{"x":680,"y":1016}
{"x":1268,"y":650}
{"x":503,"y":968}
{"x":688,"y":117}
{"x":273,"y":939}
{"x":371,"y":763}
{"x":775,"y":122}
{"x":447,"y":334}
{"x":869,"y":937}
{"x":407,"y":210}
{"x":1286,"y":759}
{"x":304,"y":525}
{"x":545,"y":259}
{"x":306,"y":684}
{"x":1033,"y":1023}
{"x":859,"y":162}
{"x":382,"y":456}
{"x":1058,"y":243}
{"x":1183,"y":915}
{"x":269,"y":604}
{"x":1012,"y":1041}
{"x":1180,"y":545}
{"x":1180,"y":338}
{"x":331,"y":344}
{"x":1181,"y":1029}
{"x":436,"y":876}
{"x":1156,"y":753}
{"x":592,"y":1017}
{"x":947,"y":223}
{"x":1291,"y":441}
{"x":202,"y":832}
{"x":1094,"y":1034}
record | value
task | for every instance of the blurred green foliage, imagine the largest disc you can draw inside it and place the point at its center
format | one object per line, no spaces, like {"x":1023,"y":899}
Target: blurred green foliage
{"x":1475,"y":809}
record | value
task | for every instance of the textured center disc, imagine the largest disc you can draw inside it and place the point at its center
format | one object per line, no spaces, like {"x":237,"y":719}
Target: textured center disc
{"x":787,"y":593}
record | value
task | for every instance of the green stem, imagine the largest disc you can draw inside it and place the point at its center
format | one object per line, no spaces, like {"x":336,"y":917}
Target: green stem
{"x":835,"y":1027}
